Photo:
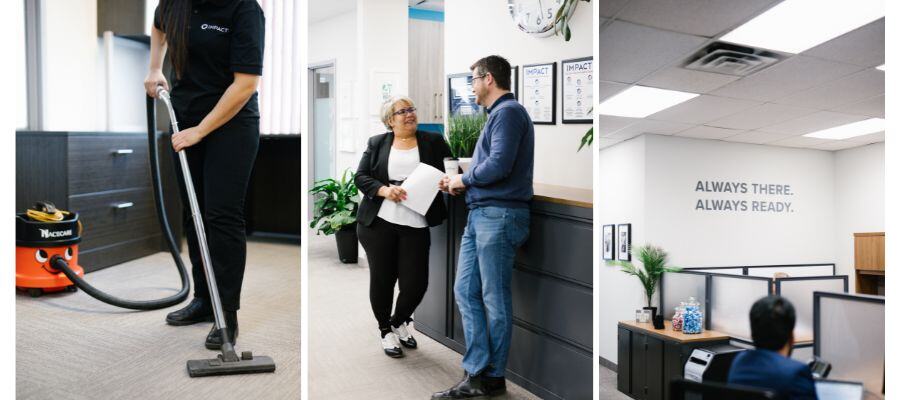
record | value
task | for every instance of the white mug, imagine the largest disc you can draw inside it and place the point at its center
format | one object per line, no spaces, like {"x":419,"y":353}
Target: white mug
{"x":451,"y":166}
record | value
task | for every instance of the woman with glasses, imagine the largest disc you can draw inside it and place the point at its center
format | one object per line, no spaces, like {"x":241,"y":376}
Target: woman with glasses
{"x":396,"y":238}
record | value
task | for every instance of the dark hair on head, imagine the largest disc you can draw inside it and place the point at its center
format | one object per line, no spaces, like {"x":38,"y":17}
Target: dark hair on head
{"x":772,"y":321}
{"x":497,"y":66}
{"x":175,"y":18}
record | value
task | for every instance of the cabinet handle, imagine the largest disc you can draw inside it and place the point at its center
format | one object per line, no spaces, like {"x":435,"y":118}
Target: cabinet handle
{"x":434,"y":105}
{"x":120,"y":152}
{"x":440,"y":106}
{"x":124,"y":204}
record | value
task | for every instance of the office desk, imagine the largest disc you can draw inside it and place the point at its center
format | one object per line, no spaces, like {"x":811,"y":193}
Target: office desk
{"x":651,"y":358}
{"x":551,"y":351}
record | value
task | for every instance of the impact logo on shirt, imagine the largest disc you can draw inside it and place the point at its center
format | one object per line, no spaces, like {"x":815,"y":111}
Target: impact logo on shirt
{"x":214,"y":27}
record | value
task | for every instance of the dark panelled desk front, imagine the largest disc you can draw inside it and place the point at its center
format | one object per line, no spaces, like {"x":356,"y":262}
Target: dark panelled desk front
{"x":552,"y":291}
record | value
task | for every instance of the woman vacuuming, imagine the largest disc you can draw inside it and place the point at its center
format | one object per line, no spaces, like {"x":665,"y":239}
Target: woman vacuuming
{"x":216,"y":51}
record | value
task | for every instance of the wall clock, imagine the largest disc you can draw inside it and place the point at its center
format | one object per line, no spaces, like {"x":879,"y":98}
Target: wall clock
{"x":536,"y":17}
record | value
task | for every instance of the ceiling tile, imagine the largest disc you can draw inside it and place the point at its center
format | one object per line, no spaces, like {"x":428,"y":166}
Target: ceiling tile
{"x":703,"y":109}
{"x":685,"y":80}
{"x":873,"y":107}
{"x":863,"y":46}
{"x":651,"y":126}
{"x":610,"y":89}
{"x":761,"y":115}
{"x":709,"y":132}
{"x":630,"y":52}
{"x":755,"y":137}
{"x":812,"y":122}
{"x":609,"y":124}
{"x":609,"y":8}
{"x":862,"y":85}
{"x":837,"y":145}
{"x":786,"y":78}
{"x":798,"y":141}
{"x":695,"y":17}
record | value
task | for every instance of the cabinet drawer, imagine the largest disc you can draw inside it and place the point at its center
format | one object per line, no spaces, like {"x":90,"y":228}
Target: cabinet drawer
{"x":107,"y":162}
{"x":102,"y":257}
{"x":114,"y":217}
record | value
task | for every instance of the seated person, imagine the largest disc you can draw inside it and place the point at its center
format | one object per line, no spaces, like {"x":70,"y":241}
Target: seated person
{"x":769,"y":366}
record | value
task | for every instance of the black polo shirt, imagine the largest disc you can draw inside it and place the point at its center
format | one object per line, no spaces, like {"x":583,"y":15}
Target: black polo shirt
{"x":225,"y":36}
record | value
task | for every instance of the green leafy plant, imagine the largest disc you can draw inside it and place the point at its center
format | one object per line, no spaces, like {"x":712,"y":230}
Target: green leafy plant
{"x":654,"y":260}
{"x":336,"y":203}
{"x":561,"y":19}
{"x":463,"y":133}
{"x":588,"y":138}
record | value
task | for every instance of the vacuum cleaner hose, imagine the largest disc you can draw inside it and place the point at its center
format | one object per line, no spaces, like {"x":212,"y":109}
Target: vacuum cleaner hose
{"x":60,"y":263}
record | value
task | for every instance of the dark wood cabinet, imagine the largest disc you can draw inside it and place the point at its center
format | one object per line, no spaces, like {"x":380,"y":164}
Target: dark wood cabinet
{"x":649,"y":359}
{"x":105,"y":177}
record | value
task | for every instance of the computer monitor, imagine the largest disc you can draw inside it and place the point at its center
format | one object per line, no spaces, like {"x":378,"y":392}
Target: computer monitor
{"x":839,"y":390}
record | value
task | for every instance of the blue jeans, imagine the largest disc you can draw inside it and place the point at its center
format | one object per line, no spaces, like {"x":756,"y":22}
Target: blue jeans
{"x":482,"y":288}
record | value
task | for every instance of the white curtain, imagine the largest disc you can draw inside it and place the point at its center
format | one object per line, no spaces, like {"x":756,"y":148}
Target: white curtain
{"x":279,"y":92}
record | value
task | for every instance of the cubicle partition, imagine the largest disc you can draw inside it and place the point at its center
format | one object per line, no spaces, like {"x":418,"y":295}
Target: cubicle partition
{"x":676,"y":287}
{"x":849,"y":332}
{"x":730,"y":299}
{"x":769,"y":271}
{"x":799,"y":291}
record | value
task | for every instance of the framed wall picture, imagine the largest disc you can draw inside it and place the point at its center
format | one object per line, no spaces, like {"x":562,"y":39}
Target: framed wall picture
{"x":577,"y":90}
{"x":461,"y":100}
{"x":609,"y":242}
{"x":624,"y":242}
{"x":514,"y":81}
{"x":539,"y":92}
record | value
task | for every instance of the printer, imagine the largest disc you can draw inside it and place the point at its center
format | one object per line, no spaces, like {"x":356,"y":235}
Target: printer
{"x":710,"y":364}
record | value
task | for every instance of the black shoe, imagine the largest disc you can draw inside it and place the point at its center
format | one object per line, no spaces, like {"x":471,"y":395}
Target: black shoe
{"x":214,"y":339}
{"x":198,"y":310}
{"x":390,"y":343}
{"x":406,"y":338}
{"x":474,"y":387}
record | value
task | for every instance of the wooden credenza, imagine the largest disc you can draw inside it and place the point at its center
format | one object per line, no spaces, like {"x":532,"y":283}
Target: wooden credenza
{"x":868,"y":256}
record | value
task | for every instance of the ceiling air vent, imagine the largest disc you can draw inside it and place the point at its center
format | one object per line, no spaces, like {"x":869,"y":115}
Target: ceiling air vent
{"x":730,"y":59}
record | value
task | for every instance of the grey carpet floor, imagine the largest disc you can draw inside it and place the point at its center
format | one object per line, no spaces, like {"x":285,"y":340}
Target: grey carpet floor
{"x":346,"y":360}
{"x":71,"y":346}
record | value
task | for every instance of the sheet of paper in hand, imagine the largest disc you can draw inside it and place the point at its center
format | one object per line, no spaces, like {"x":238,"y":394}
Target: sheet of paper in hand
{"x":421,"y":186}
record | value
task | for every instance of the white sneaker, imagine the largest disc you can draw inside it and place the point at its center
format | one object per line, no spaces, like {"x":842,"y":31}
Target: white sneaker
{"x":390,"y":343}
{"x":406,"y":338}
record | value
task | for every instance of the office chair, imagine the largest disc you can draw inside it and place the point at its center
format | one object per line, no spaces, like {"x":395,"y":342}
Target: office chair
{"x":682,"y":389}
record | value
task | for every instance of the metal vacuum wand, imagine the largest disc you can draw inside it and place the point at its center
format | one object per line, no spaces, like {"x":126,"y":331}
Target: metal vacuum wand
{"x":228,"y":362}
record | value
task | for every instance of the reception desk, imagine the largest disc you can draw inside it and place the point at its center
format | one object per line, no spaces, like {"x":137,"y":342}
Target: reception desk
{"x":552,"y":293}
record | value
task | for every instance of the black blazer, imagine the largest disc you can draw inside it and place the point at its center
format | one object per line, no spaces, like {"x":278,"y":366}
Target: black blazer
{"x":372,"y":173}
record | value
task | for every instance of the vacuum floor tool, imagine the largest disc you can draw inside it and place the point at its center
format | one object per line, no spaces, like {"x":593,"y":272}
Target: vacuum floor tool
{"x":228,"y":362}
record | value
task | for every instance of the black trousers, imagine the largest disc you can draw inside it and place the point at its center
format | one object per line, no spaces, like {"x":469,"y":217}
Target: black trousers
{"x":220,"y":169}
{"x":396,"y":253}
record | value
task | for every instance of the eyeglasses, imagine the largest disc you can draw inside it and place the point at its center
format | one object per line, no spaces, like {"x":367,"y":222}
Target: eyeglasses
{"x":410,"y":110}
{"x":479,"y":77}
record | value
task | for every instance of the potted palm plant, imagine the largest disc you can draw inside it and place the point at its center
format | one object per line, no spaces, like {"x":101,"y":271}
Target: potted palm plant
{"x":334,"y":212}
{"x":462,"y":136}
{"x":654,"y":261}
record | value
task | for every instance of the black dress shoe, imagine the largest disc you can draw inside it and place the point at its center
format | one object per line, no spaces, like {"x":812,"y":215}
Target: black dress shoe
{"x":214,"y":339}
{"x":474,"y":387}
{"x":198,"y":310}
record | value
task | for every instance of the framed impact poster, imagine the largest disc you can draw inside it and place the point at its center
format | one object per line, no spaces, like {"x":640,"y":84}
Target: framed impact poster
{"x":624,"y":242}
{"x":539,"y":92}
{"x":577,"y":90}
{"x":609,"y":242}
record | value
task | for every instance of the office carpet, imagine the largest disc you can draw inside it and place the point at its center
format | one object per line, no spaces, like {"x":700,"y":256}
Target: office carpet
{"x":346,"y":360}
{"x":70,"y":346}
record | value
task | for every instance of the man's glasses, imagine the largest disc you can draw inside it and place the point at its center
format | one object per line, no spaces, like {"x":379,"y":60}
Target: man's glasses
{"x":410,"y":110}
{"x":479,"y":77}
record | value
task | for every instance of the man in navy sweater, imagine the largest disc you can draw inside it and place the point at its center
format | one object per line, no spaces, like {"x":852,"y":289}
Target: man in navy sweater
{"x":498,"y":187}
{"x":769,"y":366}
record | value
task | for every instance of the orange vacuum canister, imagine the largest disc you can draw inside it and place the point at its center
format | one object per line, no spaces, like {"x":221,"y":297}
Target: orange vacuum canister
{"x":37,"y":242}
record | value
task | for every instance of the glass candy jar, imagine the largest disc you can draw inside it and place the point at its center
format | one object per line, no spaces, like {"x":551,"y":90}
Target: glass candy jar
{"x":693,"y":317}
{"x":678,"y":318}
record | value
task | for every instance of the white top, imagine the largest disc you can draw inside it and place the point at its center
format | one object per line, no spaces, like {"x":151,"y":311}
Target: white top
{"x":401,"y":163}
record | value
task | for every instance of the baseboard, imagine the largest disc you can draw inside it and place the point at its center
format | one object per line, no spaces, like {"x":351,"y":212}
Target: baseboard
{"x":608,"y":364}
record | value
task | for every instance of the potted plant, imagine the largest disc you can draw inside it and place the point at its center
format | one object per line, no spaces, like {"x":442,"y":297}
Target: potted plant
{"x":654,"y":265}
{"x":462,"y":136}
{"x":334,"y":212}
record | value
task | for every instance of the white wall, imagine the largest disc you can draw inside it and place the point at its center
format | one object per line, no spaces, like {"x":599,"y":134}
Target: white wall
{"x":622,"y":195}
{"x":70,"y":87}
{"x":478,"y":28}
{"x":859,"y":200}
{"x":650,"y":181}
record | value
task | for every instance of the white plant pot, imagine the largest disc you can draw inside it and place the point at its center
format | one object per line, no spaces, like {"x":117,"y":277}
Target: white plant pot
{"x":464,"y":163}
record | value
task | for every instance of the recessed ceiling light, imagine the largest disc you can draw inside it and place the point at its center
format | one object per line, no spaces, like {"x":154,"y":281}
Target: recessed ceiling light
{"x":881,"y":67}
{"x":796,"y":25}
{"x":641,"y":101}
{"x":850,"y":130}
